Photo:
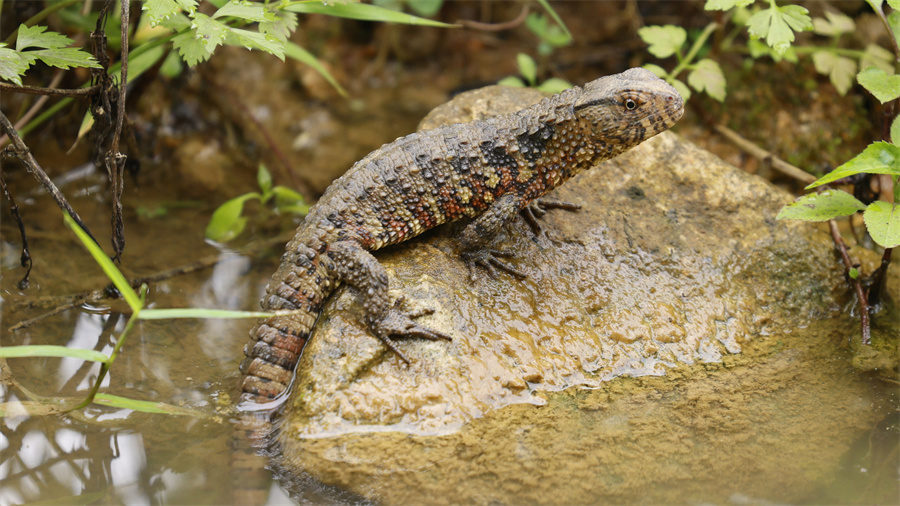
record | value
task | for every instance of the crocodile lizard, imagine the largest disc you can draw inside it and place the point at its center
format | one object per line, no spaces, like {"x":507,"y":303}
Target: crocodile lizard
{"x":490,"y":170}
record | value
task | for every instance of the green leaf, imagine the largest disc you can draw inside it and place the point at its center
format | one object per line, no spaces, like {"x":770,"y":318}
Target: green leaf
{"x":296,"y":52}
{"x":226,"y":222}
{"x":249,"y":11}
{"x":840,"y":70}
{"x":549,"y":33}
{"x":176,"y":22}
{"x":777,"y":25}
{"x":894,"y":22}
{"x":158,"y":11}
{"x":255,"y":40}
{"x":707,"y":76}
{"x":109,"y":268}
{"x":208,"y":31}
{"x":34,"y":36}
{"x":264,"y":179}
{"x":52,"y":48}
{"x":145,"y":406}
{"x":823,"y":206}
{"x":511,"y":81}
{"x":883,"y":222}
{"x":854,"y":273}
{"x":287,"y":200}
{"x":554,"y":85}
{"x":664,"y":41}
{"x":759,"y":49}
{"x":834,"y":25}
{"x":724,"y":5}
{"x":656,"y":69}
{"x":878,"y":158}
{"x":65,"y":58}
{"x":682,"y":89}
{"x":527,"y":67}
{"x":191,"y":49}
{"x":885,"y":87}
{"x":895,"y":4}
{"x":426,"y":8}
{"x":364,"y":12}
{"x":895,"y":131}
{"x":877,"y":56}
{"x":559,"y":22}
{"x":282,"y":27}
{"x":12,"y":65}
{"x":52,"y":351}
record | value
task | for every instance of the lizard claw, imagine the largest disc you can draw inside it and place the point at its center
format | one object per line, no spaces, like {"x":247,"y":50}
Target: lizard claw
{"x":487,"y":258}
{"x":400,"y":323}
{"x":538,"y":208}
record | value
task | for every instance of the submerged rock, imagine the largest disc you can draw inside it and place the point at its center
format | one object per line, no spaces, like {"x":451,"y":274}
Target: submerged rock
{"x":674,"y":261}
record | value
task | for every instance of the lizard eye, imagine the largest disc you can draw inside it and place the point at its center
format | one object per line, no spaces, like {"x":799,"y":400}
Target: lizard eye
{"x":630,"y":104}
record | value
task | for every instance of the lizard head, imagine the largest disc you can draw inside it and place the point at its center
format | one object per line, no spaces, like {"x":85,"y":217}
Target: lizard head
{"x":626,"y":109}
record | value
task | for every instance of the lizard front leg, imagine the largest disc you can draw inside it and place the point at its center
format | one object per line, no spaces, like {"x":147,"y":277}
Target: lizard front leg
{"x":359,"y":269}
{"x":481,"y":232}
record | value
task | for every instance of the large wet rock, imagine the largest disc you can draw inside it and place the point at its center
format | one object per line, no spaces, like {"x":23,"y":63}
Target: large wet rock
{"x":675,"y":272}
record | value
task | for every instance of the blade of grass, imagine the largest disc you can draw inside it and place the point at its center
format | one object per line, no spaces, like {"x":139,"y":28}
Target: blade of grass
{"x":164,"y":314}
{"x":146,"y":406}
{"x":302,"y":55}
{"x":52,"y":351}
{"x":134,"y":302}
{"x":364,"y":12}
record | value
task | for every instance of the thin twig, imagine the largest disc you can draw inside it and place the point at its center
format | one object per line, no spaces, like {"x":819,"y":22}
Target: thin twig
{"x":23,"y":153}
{"x":53,"y":92}
{"x":115,"y":160}
{"x":763,"y":155}
{"x":860,"y":293}
{"x":496,"y":27}
{"x":25,"y":259}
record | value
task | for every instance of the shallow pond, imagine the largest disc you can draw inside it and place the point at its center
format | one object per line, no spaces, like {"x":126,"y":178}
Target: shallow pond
{"x":112,"y":455}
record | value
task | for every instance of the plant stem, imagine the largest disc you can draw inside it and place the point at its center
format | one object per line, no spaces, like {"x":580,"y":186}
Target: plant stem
{"x":683,"y":64}
{"x":860,"y":293}
{"x":53,"y":92}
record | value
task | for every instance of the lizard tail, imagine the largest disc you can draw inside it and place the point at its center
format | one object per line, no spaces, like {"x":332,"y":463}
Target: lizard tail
{"x":276,"y":343}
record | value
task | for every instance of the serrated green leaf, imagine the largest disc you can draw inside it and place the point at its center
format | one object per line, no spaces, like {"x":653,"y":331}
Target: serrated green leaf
{"x":527,"y":67}
{"x":823,"y":206}
{"x":777,"y":25}
{"x":681,"y":88}
{"x":296,"y":52}
{"x":724,"y":5}
{"x":255,"y":40}
{"x":884,"y":86}
{"x":52,"y":351}
{"x":707,"y":76}
{"x":226,"y":222}
{"x":176,"y":22}
{"x":364,"y":12}
{"x":656,"y":69}
{"x":191,"y":49}
{"x":208,"y":31}
{"x":249,"y":11}
{"x":877,"y":56}
{"x":839,"y":70}
{"x":65,"y":58}
{"x":282,"y":27}
{"x":158,"y":11}
{"x":35,"y":36}
{"x":511,"y":81}
{"x":12,"y":66}
{"x":664,"y":41}
{"x":878,"y":158}
{"x":554,"y":85}
{"x":895,"y":131}
{"x":833,"y":24}
{"x":264,"y":179}
{"x":883,"y":222}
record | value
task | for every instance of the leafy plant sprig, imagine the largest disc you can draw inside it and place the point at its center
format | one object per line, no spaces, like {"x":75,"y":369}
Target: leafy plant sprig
{"x":528,"y":71}
{"x":36,"y":43}
{"x":227,"y":222}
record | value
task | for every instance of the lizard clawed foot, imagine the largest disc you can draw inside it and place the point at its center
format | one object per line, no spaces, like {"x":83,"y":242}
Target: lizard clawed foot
{"x":399,"y":323}
{"x":487,"y":258}
{"x":538,"y":208}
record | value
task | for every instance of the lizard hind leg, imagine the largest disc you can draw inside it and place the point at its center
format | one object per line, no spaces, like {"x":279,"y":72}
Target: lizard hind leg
{"x":358,"y":268}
